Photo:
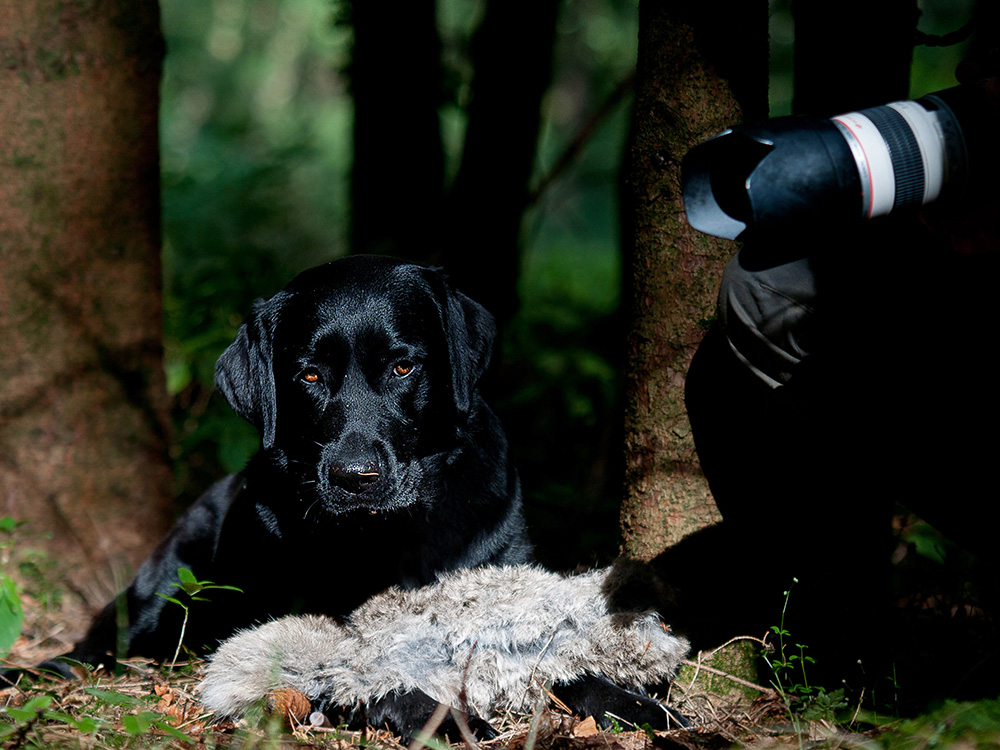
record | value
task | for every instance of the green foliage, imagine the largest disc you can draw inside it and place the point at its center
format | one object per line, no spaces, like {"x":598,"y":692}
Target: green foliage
{"x":255,"y":126}
{"x":40,"y":577}
{"x":614,"y":726}
{"x":192,"y":589}
{"x":932,"y":69}
{"x":789,"y":663}
{"x":957,"y":725}
{"x":120,"y":720}
{"x":256,"y":141}
{"x":11,"y":613}
{"x":35,"y":710}
{"x":927,"y":542}
{"x":558,"y":379}
{"x":34,"y":579}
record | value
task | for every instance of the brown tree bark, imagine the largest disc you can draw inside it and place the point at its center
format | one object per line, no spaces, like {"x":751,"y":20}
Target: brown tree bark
{"x":699,"y":71}
{"x":83,"y":423}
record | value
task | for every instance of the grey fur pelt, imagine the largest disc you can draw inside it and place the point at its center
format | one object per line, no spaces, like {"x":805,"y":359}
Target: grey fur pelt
{"x":499,"y":632}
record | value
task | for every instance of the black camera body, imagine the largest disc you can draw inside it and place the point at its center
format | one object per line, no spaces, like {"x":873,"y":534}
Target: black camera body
{"x":798,"y":172}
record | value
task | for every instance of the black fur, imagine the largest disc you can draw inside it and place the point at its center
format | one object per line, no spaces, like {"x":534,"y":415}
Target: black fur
{"x":407,"y":713}
{"x":380,"y":464}
{"x":597,"y":696}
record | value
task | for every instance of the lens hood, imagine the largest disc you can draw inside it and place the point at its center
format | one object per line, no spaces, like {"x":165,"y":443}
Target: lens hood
{"x":786,"y":172}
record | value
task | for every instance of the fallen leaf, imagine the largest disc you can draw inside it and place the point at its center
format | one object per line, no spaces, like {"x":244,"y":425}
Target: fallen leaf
{"x":586,"y":728}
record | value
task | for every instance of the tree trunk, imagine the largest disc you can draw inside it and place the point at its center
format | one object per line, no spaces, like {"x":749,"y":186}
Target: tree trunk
{"x":512,"y":55}
{"x":397,"y":180}
{"x":698,"y":72}
{"x":82,"y":401}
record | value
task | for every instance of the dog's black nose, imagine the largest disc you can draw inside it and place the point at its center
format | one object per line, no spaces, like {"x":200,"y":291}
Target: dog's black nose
{"x":355,"y":476}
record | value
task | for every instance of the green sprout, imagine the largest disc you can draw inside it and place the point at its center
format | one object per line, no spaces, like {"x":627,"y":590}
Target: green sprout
{"x":192,"y":588}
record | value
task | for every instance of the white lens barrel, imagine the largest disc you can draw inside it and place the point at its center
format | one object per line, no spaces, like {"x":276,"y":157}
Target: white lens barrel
{"x":871,"y":154}
{"x":900,"y":155}
{"x":926,"y":127}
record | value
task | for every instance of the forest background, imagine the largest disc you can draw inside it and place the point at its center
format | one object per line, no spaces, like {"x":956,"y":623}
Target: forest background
{"x":257,"y":153}
{"x":295,"y":132}
{"x":495,"y":139}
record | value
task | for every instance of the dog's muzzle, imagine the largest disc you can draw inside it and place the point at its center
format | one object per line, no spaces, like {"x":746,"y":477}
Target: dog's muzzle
{"x":354,"y":465}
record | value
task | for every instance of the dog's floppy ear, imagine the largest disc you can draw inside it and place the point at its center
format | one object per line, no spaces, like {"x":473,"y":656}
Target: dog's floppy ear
{"x":245,"y":374}
{"x":471,"y":331}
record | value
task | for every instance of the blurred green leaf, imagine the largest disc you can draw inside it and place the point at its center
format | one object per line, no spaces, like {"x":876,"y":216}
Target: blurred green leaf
{"x":138,"y":723}
{"x":11,"y":614}
{"x":927,"y":542}
{"x":8,"y":524}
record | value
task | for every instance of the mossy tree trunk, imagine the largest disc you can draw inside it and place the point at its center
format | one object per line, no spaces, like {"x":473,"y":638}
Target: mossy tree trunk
{"x":699,"y":71}
{"x":83,"y":423}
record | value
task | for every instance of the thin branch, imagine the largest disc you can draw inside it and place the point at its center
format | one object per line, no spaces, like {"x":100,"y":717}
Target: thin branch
{"x":731,"y":677}
{"x":583,"y":135}
{"x":761,"y":641}
{"x":462,"y":723}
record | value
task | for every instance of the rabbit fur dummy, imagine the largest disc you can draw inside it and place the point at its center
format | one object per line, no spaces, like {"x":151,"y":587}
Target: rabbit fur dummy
{"x":479,"y":639}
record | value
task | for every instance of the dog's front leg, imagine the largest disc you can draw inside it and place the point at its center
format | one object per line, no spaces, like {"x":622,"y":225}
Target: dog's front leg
{"x":407,"y":713}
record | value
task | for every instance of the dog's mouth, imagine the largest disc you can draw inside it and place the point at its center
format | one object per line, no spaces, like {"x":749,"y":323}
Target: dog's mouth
{"x":366,"y":480}
{"x":371,"y":502}
{"x":355,"y":482}
{"x":374,"y":491}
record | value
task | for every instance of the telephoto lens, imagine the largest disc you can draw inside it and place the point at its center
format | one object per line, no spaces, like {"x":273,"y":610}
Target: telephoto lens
{"x":797,"y":172}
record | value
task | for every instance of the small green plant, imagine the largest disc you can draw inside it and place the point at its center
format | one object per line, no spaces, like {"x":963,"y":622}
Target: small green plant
{"x":617,"y":725}
{"x":788,"y":663}
{"x":649,"y":731}
{"x":11,"y":613}
{"x":192,"y":589}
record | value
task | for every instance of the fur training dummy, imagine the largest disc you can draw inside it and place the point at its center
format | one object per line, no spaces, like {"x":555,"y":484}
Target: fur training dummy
{"x":493,"y":635}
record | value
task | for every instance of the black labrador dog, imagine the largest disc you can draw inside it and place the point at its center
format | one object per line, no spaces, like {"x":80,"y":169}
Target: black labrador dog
{"x":380,"y":464}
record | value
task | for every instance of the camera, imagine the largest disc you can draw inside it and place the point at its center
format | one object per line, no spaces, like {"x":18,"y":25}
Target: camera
{"x":797,"y":172}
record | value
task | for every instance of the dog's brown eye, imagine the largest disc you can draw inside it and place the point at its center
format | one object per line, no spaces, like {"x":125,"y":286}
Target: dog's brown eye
{"x":309,"y":376}
{"x":402,"y":369}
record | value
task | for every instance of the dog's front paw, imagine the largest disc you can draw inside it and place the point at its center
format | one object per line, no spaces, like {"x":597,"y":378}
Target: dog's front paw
{"x":407,"y":714}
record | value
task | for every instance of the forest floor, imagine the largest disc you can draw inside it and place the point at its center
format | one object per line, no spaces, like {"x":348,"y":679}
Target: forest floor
{"x":158,"y":706}
{"x":153,"y":707}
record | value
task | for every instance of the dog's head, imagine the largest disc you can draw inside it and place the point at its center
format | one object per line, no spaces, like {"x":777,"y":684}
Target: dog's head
{"x":360,"y":375}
